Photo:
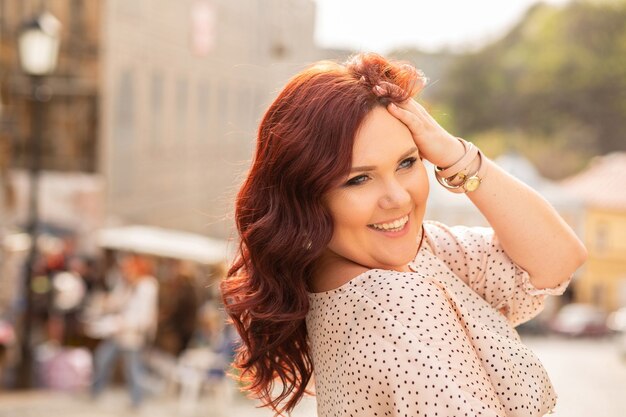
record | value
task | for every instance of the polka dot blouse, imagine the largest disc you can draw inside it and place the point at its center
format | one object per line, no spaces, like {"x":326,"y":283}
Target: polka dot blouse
{"x":438,"y":341}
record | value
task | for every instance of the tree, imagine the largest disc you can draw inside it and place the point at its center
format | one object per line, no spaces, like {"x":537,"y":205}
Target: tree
{"x":559,"y":70}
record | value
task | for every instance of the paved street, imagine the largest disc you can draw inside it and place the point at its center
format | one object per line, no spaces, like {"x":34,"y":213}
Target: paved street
{"x":589,"y":376}
{"x":115,"y":404}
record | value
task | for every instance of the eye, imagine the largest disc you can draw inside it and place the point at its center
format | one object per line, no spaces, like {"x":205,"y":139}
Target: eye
{"x":407,"y":163}
{"x":359,"y":179}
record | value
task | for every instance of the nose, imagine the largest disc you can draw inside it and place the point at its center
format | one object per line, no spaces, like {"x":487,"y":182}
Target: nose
{"x":395,"y":196}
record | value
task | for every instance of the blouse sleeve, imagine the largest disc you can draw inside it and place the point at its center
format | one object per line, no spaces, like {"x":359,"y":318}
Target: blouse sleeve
{"x":476,"y":256}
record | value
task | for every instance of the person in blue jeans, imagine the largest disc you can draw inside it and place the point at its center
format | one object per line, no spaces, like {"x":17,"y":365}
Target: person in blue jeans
{"x":130,"y":315}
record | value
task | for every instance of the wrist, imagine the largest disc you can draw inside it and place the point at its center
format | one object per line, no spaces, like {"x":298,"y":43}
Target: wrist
{"x":471,"y":168}
{"x":452,"y":151}
{"x":468,"y":178}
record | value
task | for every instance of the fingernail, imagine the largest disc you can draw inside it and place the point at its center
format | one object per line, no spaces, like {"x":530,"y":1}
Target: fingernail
{"x":393,"y":106}
{"x":379,"y":89}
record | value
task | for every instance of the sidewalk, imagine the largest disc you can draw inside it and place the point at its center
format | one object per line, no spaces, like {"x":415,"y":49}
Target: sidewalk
{"x":115,"y":403}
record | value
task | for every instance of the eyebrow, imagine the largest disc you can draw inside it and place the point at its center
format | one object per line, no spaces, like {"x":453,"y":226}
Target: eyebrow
{"x":372,"y":167}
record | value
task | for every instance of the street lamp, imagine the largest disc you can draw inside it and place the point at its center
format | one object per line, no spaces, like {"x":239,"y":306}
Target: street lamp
{"x":38,"y":44}
{"x":38,"y":48}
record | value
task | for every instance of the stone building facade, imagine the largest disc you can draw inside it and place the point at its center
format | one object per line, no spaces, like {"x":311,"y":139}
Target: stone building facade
{"x":183,"y":86}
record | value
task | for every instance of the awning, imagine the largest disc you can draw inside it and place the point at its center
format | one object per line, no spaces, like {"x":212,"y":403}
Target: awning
{"x":164,"y":243}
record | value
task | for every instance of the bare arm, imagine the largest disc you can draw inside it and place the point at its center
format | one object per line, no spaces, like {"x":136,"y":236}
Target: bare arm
{"x":530,"y":230}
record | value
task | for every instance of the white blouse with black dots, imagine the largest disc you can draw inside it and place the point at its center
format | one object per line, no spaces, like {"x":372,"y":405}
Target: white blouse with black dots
{"x":438,"y":341}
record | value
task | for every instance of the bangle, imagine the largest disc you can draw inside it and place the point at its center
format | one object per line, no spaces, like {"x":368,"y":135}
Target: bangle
{"x":454,"y":169}
{"x":470,"y":182}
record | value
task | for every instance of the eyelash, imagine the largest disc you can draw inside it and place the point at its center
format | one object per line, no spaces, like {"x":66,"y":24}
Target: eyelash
{"x":356,"y":180}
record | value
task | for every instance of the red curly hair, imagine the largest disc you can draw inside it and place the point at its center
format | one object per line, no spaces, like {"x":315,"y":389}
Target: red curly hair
{"x":304,"y":147}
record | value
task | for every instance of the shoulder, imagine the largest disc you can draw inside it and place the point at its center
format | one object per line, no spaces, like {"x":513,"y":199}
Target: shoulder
{"x":368,"y":284}
{"x":372,"y":294}
{"x":384,"y":289}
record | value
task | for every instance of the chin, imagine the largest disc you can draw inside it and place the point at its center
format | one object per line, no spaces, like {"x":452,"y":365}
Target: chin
{"x":400,"y":262}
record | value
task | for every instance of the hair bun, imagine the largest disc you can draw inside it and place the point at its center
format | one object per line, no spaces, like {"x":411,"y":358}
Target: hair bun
{"x":396,"y":80}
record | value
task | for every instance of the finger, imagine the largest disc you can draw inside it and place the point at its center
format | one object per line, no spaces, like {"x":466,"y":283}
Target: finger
{"x":413,"y":106}
{"x":408,"y":117}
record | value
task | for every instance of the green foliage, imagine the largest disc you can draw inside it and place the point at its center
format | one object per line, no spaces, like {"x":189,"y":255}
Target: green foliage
{"x":557,"y":78}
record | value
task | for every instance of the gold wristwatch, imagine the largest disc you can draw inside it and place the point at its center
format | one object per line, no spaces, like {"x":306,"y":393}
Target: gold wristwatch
{"x":470,"y":183}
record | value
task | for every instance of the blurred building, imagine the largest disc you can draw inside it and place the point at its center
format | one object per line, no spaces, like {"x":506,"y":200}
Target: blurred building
{"x":159,"y":98}
{"x":70,"y":119}
{"x":183,"y":87}
{"x":602,"y":189}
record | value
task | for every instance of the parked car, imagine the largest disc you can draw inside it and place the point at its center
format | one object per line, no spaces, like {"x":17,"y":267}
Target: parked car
{"x":617,"y":322}
{"x":534,"y":327}
{"x":580,"y":320}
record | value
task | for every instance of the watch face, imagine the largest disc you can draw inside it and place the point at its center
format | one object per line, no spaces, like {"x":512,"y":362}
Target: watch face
{"x":471,"y":184}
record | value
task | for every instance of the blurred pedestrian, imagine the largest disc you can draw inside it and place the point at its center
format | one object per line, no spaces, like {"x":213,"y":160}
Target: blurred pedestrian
{"x":7,"y":342}
{"x":178,"y":308}
{"x":214,"y":333}
{"x":129,"y":320}
{"x":69,"y":291}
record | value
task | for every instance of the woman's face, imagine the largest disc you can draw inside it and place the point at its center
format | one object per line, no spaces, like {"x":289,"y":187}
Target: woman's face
{"x":379,"y":207}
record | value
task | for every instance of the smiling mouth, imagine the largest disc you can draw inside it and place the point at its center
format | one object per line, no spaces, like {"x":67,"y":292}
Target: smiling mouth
{"x":393,"y":226}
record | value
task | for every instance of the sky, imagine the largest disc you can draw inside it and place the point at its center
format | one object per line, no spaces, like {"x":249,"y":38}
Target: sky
{"x":380,"y":26}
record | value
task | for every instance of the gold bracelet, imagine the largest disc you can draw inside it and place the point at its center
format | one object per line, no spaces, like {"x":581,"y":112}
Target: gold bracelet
{"x":470,"y":182}
{"x":453,"y":170}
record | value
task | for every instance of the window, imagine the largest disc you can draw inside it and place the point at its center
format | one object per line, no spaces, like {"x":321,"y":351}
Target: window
{"x":156,"y":108}
{"x":124,"y":109}
{"x":602,"y":237}
{"x":123,"y":134}
{"x":203,"y":111}
{"x":181,"y":108}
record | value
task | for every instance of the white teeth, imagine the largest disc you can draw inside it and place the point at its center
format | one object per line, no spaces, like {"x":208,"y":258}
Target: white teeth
{"x":393,"y":226}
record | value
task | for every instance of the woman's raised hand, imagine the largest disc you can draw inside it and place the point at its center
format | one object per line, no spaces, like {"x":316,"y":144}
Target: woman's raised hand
{"x":433,"y":141}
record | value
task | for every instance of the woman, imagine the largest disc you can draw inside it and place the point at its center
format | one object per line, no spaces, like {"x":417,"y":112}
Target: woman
{"x":339,"y":275}
{"x":128,"y":324}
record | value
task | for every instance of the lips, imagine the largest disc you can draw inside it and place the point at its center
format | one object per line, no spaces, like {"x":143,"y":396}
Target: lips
{"x":391,"y":226}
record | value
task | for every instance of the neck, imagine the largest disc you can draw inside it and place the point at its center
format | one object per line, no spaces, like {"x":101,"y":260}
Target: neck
{"x":332,"y":271}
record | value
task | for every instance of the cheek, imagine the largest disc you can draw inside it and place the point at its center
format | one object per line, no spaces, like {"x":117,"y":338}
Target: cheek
{"x":351,"y":212}
{"x":420,"y":188}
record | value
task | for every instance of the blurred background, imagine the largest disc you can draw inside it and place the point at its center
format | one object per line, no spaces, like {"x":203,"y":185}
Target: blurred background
{"x":127,"y":125}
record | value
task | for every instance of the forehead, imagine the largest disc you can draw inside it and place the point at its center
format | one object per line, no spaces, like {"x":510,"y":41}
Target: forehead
{"x":380,"y":137}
